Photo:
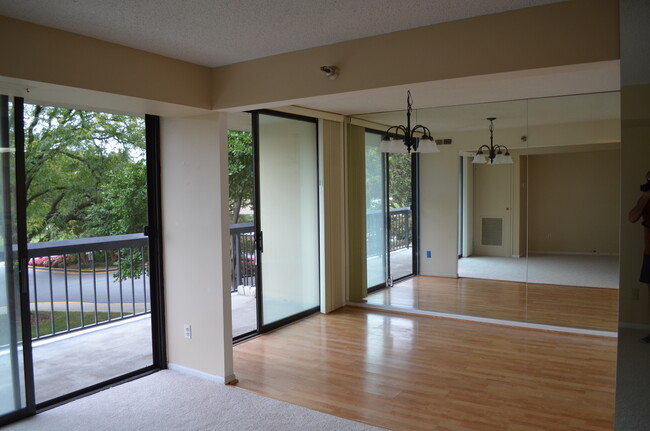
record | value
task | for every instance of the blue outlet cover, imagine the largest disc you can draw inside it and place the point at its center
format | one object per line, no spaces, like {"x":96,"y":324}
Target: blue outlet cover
{"x":428,"y":254}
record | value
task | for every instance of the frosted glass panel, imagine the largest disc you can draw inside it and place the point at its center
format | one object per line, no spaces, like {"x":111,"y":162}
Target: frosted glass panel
{"x":375,"y":212}
{"x":288,"y":184}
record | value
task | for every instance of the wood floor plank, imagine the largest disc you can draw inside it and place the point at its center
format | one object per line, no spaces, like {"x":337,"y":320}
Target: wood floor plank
{"x":408,"y":372}
{"x":569,"y":306}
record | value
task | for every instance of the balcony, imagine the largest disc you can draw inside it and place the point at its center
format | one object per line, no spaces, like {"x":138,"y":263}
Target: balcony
{"x":91,"y":304}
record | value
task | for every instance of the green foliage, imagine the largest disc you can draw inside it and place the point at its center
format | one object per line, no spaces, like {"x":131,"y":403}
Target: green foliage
{"x":122,"y":207}
{"x":399,"y":166}
{"x":85,"y":176}
{"x":73,"y":322}
{"x":75,"y":160}
{"x":240,"y":172}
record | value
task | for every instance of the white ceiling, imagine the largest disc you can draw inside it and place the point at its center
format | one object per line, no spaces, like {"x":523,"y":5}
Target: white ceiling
{"x":219,"y":32}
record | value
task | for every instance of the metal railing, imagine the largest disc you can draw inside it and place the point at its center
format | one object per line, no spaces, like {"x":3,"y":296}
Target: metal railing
{"x":400,"y":230}
{"x":79,"y":283}
{"x":243,"y":261}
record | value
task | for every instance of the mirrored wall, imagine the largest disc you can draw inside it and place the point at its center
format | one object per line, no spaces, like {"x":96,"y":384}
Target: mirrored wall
{"x":535,"y":240}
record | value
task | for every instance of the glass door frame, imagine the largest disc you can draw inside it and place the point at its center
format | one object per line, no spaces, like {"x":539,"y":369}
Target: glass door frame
{"x":415,"y":225}
{"x":23,"y":290}
{"x":261,"y":327}
{"x":156,"y":280}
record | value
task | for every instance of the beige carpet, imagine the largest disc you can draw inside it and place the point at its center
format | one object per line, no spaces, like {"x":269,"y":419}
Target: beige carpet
{"x":168,"y":400}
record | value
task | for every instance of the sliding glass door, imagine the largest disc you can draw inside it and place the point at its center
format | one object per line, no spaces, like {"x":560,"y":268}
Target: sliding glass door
{"x":77,"y":188}
{"x":391,"y":229}
{"x":286,"y":158}
{"x":14,"y":398}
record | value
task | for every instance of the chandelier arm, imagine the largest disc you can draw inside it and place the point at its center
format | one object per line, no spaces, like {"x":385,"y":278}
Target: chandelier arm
{"x":499,"y":147}
{"x":402,"y":129}
{"x":482,"y":146}
{"x":397,"y":129}
{"x":427,"y":132}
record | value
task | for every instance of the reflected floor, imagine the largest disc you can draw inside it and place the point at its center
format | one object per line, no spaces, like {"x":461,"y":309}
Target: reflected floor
{"x":565,"y":270}
{"x":567,"y":306}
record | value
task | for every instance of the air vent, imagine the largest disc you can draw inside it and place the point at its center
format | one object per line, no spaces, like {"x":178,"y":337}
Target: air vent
{"x":492,"y":231}
{"x":443,"y":141}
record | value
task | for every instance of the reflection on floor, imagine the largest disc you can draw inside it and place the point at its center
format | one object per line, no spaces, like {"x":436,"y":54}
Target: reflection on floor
{"x":565,"y":270}
{"x":575,"y":307}
{"x":406,"y":372}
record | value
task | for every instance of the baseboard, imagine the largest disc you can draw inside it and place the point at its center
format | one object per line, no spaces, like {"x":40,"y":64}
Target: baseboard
{"x":202,"y":374}
{"x":640,"y":326}
{"x":440,"y":274}
{"x":525,"y":325}
{"x":573,"y":253}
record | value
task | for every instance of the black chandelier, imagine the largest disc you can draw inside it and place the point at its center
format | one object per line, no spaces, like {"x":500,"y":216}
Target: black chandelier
{"x":396,"y":137}
{"x":496,"y":154}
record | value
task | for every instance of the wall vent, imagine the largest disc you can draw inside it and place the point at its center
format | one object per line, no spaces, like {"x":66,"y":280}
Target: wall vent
{"x":445,"y":141}
{"x":492,"y":231}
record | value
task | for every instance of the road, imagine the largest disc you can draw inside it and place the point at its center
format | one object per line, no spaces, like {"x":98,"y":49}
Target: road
{"x":85,"y":288}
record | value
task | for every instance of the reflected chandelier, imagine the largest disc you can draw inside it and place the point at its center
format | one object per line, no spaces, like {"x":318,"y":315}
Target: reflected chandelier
{"x":496,"y":154}
{"x":398,"y":137}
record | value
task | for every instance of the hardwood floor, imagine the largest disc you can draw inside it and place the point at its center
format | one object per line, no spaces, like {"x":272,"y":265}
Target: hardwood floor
{"x":406,"y":372}
{"x":570,"y":306}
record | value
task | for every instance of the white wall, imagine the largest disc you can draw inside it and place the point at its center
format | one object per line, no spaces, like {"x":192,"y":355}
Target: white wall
{"x":196,"y":243}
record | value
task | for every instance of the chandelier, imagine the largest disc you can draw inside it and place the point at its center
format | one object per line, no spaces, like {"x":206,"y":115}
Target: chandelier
{"x":496,"y":154}
{"x":398,"y":137}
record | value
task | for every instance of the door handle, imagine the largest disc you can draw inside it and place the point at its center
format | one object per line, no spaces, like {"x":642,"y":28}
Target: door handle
{"x":260,"y":241}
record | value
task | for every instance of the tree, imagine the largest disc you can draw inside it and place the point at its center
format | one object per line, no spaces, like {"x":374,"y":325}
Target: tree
{"x":71,"y":156}
{"x":240,"y":172}
{"x":400,"y":188}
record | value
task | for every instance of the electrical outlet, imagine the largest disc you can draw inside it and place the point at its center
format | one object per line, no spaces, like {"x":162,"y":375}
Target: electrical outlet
{"x":188,"y":331}
{"x":428,"y":254}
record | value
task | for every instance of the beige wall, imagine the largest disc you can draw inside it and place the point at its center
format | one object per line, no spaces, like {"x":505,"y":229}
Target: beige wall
{"x":195,"y":231}
{"x":333,"y":295}
{"x":510,"y":41}
{"x":36,"y":53}
{"x":573,"y":202}
{"x":356,"y":212}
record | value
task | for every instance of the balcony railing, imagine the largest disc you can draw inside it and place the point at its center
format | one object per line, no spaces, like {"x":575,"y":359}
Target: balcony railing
{"x":243,"y":261}
{"x":79,"y":283}
{"x":400,"y":230}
